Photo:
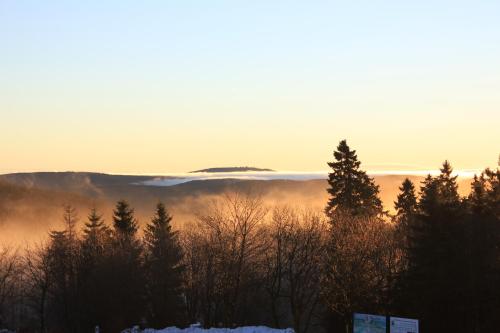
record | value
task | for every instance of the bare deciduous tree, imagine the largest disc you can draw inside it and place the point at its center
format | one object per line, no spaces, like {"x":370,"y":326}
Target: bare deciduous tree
{"x":39,"y":280}
{"x":293,"y":265}
{"x":359,"y":265}
{"x":226,"y":248}
{"x":10,"y":280}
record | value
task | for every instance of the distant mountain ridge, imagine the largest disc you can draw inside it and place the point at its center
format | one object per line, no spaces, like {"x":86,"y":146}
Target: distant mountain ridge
{"x":232,"y":169}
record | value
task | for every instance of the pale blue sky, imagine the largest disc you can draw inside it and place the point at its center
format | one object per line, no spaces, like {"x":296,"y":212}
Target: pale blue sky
{"x":160,"y":86}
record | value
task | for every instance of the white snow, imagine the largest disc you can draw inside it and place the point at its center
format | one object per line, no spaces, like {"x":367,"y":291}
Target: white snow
{"x":196,"y":329}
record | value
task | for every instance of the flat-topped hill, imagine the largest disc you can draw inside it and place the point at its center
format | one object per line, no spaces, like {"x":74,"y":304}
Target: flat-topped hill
{"x":232,"y":169}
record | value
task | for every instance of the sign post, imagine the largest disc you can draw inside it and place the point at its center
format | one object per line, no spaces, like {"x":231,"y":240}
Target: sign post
{"x":403,"y":325}
{"x":368,"y":323}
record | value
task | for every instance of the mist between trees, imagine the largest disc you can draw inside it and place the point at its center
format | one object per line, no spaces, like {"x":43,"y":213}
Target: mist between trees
{"x":242,"y":262}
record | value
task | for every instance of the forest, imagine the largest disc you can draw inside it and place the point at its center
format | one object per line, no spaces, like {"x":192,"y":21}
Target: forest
{"x":242,"y":262}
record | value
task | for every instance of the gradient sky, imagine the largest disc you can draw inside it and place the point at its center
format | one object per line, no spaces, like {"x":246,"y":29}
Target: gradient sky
{"x":172,"y":86}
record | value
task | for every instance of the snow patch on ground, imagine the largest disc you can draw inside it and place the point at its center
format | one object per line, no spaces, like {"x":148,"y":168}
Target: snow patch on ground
{"x":197,"y":329}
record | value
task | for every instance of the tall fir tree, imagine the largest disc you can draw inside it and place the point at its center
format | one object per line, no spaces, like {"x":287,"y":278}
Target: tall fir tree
{"x":95,"y":275}
{"x":95,"y":234}
{"x":438,"y":191}
{"x":448,"y":187}
{"x":163,"y":255}
{"x":406,"y":210}
{"x":435,"y":275}
{"x":60,"y":272}
{"x":64,"y":252}
{"x":124,"y":222}
{"x":477,"y":198}
{"x":353,"y":206}
{"x":406,"y":203}
{"x":482,"y":229}
{"x":429,"y":195}
{"x":351,"y":189}
{"x":126,"y":262}
{"x":492,"y":188}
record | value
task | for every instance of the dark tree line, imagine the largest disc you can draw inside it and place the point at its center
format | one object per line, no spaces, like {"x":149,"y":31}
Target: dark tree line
{"x":243,"y":263}
{"x":452,"y":255}
{"x":437,"y":259}
{"x":105,"y":276}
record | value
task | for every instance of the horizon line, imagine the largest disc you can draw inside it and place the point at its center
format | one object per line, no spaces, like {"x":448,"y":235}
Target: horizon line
{"x":468,"y":172}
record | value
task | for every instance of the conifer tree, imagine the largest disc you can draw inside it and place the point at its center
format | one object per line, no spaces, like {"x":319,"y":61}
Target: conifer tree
{"x":406,"y":209}
{"x":354,"y":209}
{"x":70,"y":218}
{"x":406,"y":203}
{"x":64,"y":254}
{"x":59,"y":268}
{"x":164,"y":270}
{"x":439,"y":191}
{"x":126,"y":264}
{"x":436,"y":253}
{"x":351,"y":189}
{"x":96,"y":236}
{"x":448,"y":187}
{"x":477,"y":197}
{"x":124,"y":221}
{"x":94,"y":225}
{"x":492,"y":190}
{"x":428,"y":195}
{"x":94,"y":273}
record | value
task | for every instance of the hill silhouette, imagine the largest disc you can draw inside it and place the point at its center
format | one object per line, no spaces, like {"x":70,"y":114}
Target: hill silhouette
{"x":231,"y":169}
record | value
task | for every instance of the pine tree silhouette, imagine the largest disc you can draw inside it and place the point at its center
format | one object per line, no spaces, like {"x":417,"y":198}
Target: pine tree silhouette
{"x":163,"y":270}
{"x":351,"y":189}
{"x":406,"y":203}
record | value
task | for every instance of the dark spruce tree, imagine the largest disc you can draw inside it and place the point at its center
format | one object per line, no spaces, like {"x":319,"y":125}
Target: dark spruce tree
{"x":435,"y":278}
{"x":477,"y":199}
{"x":63,"y":253}
{"x":491,"y":184}
{"x":60,"y":273}
{"x":128,"y":288}
{"x":351,"y":190}
{"x":354,"y":211}
{"x":124,"y":222}
{"x":493,"y":196}
{"x":95,"y":274}
{"x":429,"y":196}
{"x":404,"y":220}
{"x":439,"y":192}
{"x":451,"y":280}
{"x":163,"y":255}
{"x":96,"y":235}
{"x":482,"y":229}
{"x":405,"y":205}
{"x":448,"y":187}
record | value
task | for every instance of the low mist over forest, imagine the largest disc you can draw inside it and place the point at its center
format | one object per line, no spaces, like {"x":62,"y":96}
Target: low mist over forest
{"x":32,"y":203}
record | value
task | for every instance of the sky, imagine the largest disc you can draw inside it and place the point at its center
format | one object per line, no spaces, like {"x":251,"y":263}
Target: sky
{"x":172,"y":86}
